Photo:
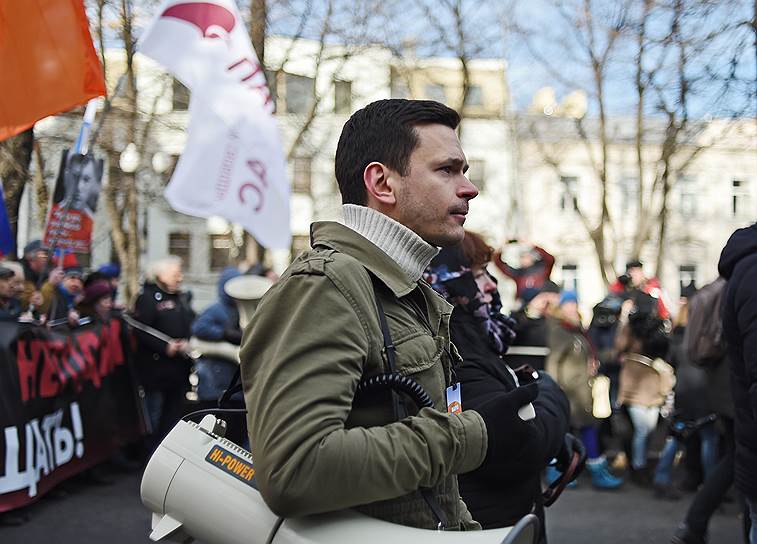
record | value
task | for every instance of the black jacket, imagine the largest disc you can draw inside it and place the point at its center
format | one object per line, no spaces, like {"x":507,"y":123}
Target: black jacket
{"x":171,"y":314}
{"x":498,"y":500}
{"x":530,"y":346}
{"x":738,"y":264}
{"x":691,"y":389}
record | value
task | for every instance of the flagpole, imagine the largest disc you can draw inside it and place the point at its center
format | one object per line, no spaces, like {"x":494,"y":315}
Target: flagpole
{"x":84,"y":142}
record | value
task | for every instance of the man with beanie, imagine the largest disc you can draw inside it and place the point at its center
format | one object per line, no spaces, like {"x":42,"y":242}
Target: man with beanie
{"x":738,"y":265}
{"x":61,"y":293}
{"x":355,"y":306}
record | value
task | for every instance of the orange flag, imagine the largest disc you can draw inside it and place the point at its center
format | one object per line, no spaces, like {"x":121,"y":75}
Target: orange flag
{"x":47,"y":61}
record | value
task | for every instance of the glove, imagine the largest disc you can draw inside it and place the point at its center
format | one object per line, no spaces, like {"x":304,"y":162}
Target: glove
{"x":233,"y":336}
{"x":505,"y":429}
{"x":571,"y":445}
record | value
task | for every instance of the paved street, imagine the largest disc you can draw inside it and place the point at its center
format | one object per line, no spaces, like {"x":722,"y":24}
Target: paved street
{"x":114,"y":515}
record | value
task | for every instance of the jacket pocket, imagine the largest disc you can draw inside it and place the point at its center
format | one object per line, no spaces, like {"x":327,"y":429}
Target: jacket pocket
{"x":419,"y":357}
{"x":416,"y":352}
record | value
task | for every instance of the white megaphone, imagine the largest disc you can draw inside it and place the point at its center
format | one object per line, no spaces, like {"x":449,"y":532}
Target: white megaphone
{"x":198,"y":485}
{"x":246,"y":291}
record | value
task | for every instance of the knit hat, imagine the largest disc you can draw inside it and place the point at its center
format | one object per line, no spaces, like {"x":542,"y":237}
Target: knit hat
{"x":32,"y":247}
{"x":96,"y":290}
{"x":110,"y":270}
{"x":73,"y":272}
{"x":568,"y":296}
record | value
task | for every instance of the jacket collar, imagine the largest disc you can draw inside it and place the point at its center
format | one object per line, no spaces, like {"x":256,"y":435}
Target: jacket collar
{"x":345,"y":240}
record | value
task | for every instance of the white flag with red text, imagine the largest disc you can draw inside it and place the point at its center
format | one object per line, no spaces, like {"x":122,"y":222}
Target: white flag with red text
{"x":233,"y":161}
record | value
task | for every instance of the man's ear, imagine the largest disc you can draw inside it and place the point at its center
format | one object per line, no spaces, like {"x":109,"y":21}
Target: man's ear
{"x":378,"y":184}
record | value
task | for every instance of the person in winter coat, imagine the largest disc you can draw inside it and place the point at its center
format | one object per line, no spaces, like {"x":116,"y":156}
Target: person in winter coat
{"x":530,"y":344}
{"x":738,"y":265}
{"x":10,"y":307}
{"x":61,"y":293}
{"x":219,"y":322}
{"x":691,"y":404}
{"x":97,"y":300}
{"x":163,"y":367}
{"x":572,"y":363}
{"x":496,"y":496}
{"x":645,"y":378}
{"x":635,"y":281}
{"x":535,"y":268}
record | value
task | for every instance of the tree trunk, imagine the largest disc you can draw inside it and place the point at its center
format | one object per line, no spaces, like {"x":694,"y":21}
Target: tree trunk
{"x":258,"y":16}
{"x":40,"y":187}
{"x":15,"y":156}
{"x":663,"y":225}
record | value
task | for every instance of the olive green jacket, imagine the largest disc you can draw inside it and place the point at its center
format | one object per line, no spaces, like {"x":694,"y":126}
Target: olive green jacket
{"x":568,"y":363}
{"x":314,"y":336}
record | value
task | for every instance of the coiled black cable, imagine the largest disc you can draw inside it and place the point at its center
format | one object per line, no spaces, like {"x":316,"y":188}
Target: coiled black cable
{"x":392,"y":380}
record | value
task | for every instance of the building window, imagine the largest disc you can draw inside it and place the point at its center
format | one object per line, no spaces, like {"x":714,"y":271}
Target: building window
{"x":688,"y":196}
{"x":303,"y":169}
{"x":434,"y":91}
{"x":222,"y":251}
{"x":568,"y":195}
{"x":477,"y":173}
{"x":687,"y":274}
{"x":475,"y":96}
{"x":180,"y":99}
{"x":570,"y":277}
{"x":740,"y":198}
{"x":180,"y":244}
{"x":299,"y":93}
{"x":342,"y":97}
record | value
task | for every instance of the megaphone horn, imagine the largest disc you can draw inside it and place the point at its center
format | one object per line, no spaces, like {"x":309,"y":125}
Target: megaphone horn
{"x":247,"y":291}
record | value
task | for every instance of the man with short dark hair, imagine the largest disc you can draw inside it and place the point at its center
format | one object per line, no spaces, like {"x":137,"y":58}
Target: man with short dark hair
{"x":319,"y":444}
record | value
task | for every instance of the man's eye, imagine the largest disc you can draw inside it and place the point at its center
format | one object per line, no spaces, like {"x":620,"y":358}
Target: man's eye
{"x":446,"y":169}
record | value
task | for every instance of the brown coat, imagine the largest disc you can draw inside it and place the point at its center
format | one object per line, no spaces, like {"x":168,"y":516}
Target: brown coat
{"x":644,"y":381}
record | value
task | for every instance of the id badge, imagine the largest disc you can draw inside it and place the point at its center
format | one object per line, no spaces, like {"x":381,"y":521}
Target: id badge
{"x":454,"y":401}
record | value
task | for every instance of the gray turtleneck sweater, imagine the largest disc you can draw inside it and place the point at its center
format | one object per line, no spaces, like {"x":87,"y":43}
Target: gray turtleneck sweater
{"x":403,"y":245}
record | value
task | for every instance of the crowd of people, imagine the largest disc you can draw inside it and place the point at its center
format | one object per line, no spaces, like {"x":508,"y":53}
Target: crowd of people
{"x":668,"y":422}
{"x":55,"y":292}
{"x":58,"y":294}
{"x":514,"y":407}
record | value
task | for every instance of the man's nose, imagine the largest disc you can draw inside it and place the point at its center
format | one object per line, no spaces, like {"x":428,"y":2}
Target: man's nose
{"x":466,"y":189}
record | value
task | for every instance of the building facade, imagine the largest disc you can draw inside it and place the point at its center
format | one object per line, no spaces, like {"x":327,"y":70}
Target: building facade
{"x":533,"y":170}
